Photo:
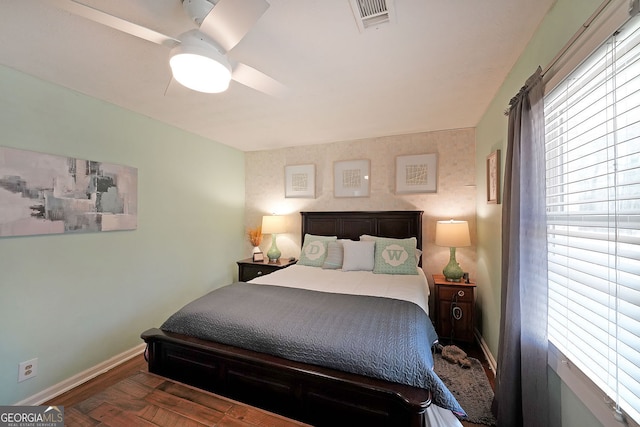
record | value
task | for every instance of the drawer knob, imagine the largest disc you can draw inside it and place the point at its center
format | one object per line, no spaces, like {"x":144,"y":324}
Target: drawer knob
{"x":460,"y":293}
{"x":259,"y":273}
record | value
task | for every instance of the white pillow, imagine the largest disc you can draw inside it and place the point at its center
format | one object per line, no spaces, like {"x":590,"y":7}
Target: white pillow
{"x":358,"y":255}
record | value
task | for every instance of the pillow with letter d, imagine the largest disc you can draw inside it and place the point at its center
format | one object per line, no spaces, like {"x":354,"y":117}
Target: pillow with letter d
{"x":314,"y":250}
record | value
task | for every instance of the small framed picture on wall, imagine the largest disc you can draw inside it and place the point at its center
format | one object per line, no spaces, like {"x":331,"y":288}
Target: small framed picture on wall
{"x":493,"y":177}
{"x":351,"y":178}
{"x":417,"y":173}
{"x":300,"y":181}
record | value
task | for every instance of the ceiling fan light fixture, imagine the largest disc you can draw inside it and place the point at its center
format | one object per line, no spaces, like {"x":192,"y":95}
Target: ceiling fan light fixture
{"x":198,"y":65}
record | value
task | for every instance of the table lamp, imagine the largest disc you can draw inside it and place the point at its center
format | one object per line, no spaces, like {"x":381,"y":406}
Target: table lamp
{"x":273,"y":224}
{"x":454,"y":234}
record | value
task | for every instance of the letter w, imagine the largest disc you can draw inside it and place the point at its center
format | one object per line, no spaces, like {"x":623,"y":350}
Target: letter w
{"x":395,"y":254}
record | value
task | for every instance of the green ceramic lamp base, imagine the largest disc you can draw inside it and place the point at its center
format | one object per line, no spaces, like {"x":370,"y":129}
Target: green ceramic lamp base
{"x":452,"y":271}
{"x":274,"y":253}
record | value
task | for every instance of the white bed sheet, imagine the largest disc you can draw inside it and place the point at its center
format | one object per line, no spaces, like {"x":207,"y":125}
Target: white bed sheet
{"x":439,"y":417}
{"x":412,"y":288}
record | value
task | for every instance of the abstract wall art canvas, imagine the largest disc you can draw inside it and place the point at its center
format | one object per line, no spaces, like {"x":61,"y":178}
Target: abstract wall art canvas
{"x":49,"y":194}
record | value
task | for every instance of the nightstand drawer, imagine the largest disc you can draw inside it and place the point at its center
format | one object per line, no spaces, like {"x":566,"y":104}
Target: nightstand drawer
{"x":252,"y":271}
{"x":249,"y":270}
{"x":452,"y":293}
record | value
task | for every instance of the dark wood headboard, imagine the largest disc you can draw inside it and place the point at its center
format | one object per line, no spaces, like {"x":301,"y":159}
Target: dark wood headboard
{"x":353,"y":224}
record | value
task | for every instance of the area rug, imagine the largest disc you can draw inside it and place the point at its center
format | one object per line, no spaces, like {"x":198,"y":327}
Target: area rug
{"x":470,"y":386}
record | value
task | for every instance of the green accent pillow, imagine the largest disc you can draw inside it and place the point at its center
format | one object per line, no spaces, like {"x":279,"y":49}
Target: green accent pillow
{"x":314,"y":250}
{"x":395,"y":256}
{"x":417,"y":251}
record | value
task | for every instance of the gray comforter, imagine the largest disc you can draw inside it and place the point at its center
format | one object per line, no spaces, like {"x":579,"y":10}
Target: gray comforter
{"x":377,"y":337}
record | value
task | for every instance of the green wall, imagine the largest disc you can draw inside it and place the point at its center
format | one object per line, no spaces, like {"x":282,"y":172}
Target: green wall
{"x":559,"y":25}
{"x":74,"y":301}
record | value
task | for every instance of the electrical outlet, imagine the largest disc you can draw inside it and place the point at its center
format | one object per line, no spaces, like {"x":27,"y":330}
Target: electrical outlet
{"x":27,"y":369}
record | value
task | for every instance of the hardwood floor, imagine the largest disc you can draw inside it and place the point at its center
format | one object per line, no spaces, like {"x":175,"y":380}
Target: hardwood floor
{"x":99,"y":383}
{"x":137,"y":364}
{"x":130,"y":396}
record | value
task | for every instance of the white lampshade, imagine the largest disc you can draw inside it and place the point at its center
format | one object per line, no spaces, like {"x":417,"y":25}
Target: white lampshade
{"x":197,"y":64}
{"x":454,"y":234}
{"x":273,"y":224}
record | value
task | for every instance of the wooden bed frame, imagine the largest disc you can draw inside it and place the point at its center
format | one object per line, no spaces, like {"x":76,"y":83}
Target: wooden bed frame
{"x":309,"y":393}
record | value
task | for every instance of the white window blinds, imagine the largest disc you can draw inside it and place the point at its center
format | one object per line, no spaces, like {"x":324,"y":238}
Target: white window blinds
{"x":592,"y":136}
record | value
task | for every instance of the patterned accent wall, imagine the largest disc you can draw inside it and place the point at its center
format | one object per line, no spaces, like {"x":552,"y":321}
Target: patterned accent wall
{"x":455,"y":197}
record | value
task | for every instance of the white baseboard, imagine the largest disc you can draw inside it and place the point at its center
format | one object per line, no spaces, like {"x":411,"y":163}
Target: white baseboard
{"x":81,"y":378}
{"x":487,"y":353}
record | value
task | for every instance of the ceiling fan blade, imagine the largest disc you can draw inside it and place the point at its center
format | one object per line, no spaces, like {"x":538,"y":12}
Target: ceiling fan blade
{"x":230,"y":20}
{"x":257,"y":80}
{"x":112,"y":21}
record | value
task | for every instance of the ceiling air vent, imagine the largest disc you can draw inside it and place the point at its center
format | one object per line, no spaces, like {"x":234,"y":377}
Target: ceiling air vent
{"x":371,"y":13}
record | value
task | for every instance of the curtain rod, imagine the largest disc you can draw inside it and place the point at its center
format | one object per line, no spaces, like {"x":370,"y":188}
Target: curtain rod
{"x":576,"y":36}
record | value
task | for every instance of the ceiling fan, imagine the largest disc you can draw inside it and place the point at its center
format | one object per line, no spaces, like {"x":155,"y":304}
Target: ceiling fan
{"x":198,"y":58}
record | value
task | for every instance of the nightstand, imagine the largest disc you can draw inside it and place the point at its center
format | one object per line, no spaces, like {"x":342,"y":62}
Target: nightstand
{"x":248,"y":269}
{"x":455,"y":309}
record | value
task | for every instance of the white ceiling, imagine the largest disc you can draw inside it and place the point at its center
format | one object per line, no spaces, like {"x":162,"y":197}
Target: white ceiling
{"x":437,"y":67}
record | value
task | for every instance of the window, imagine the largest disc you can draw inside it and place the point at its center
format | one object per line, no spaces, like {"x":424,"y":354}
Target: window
{"x":592,"y":137}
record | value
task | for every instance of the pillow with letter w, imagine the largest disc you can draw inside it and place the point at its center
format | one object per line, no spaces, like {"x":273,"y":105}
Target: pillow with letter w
{"x":395,"y":256}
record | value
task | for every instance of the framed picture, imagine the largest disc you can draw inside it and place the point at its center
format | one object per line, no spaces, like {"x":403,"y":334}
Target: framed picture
{"x":417,"y":174}
{"x":258,"y":257}
{"x":300,"y":181}
{"x":493,"y":177}
{"x":351,"y":178}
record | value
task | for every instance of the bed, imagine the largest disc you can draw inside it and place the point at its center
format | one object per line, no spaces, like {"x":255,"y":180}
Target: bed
{"x":311,"y":387}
